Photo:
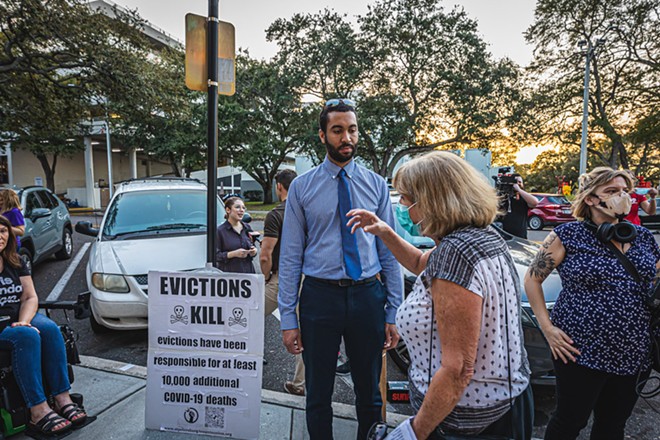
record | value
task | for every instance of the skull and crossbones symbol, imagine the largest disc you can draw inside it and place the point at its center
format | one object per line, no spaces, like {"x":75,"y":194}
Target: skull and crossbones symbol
{"x":237,"y":318}
{"x":178,"y":315}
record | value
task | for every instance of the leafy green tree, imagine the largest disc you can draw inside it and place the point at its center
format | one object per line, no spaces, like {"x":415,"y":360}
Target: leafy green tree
{"x":422,"y":76}
{"x":624,"y":35}
{"x":59,"y":57}
{"x":170,"y":121}
{"x":265,"y":121}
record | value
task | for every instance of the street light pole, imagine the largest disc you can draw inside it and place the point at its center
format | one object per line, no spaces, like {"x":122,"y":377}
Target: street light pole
{"x":109,"y":148}
{"x":585,"y":110}
{"x":212,"y":130}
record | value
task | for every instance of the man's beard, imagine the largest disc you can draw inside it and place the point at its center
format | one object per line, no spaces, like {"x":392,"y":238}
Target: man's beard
{"x":336,"y":155}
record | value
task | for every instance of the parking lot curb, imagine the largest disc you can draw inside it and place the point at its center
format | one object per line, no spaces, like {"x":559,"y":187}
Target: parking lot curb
{"x":340,"y":410}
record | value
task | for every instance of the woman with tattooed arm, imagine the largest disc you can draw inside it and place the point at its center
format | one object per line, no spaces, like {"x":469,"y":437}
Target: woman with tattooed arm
{"x":598,"y":331}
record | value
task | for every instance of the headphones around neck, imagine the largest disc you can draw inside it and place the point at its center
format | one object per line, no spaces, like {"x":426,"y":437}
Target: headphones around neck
{"x":623,"y":232}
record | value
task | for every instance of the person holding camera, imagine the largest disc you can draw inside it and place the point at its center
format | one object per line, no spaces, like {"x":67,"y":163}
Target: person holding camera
{"x":516,"y":206}
{"x":599,"y":329}
{"x":235,"y":249}
{"x":37,"y":347}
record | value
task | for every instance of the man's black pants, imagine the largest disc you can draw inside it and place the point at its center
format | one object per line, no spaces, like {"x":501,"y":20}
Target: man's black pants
{"x":328,"y":313}
{"x":581,"y":390}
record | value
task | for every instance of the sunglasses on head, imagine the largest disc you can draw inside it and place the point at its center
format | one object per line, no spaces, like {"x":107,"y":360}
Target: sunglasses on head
{"x":337,"y":101}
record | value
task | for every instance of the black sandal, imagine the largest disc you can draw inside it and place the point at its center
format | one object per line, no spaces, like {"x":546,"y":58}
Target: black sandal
{"x":46,"y":425}
{"x":70,"y":411}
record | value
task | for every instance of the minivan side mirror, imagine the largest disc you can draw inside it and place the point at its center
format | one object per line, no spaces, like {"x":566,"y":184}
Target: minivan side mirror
{"x":39,"y":213}
{"x":86,"y":228}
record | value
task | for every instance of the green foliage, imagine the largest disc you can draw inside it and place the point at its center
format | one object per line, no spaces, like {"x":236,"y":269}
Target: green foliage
{"x":265,"y":121}
{"x":422,"y":76}
{"x":624,"y":75}
{"x":170,"y":121}
{"x":58,"y":58}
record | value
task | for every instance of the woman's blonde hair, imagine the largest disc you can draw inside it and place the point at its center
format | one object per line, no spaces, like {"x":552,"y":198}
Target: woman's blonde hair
{"x":588,"y":183}
{"x":448,"y":191}
{"x":9,"y":200}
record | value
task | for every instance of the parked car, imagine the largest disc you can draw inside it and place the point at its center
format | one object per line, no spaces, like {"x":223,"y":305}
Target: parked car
{"x":150,"y":224}
{"x":48,"y":228}
{"x":552,"y":210}
{"x":522,"y":251}
{"x":651,"y":221}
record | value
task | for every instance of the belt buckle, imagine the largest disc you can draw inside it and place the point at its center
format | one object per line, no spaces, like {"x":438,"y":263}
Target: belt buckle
{"x":346,"y":282}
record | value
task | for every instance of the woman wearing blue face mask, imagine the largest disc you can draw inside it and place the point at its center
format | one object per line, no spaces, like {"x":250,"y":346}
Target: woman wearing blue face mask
{"x":461,"y":323}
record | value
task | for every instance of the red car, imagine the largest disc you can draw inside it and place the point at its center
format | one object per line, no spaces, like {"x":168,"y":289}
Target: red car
{"x":552,"y":209}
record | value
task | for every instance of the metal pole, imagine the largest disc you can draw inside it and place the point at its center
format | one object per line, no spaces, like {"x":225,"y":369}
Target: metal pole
{"x":585,"y":113}
{"x":212,"y":116}
{"x":109,"y":148}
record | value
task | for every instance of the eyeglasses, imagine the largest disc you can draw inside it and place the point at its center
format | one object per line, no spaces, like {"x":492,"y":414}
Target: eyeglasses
{"x":337,"y":101}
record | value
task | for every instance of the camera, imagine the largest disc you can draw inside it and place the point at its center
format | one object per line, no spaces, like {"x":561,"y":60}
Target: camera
{"x":504,"y":181}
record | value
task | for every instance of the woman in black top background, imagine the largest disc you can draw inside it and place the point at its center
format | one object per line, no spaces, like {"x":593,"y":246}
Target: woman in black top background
{"x":236,"y":249}
{"x":38,"y":352}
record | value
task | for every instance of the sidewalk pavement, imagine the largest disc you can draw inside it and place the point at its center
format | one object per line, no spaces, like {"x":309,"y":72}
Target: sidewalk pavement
{"x":115,"y":393}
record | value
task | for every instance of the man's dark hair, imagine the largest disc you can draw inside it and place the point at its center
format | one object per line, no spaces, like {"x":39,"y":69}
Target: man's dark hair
{"x":285,"y":177}
{"x":516,"y":175}
{"x":323,"y":117}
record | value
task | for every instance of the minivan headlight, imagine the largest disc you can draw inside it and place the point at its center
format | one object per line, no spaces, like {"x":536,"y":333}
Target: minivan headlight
{"x":110,"y":283}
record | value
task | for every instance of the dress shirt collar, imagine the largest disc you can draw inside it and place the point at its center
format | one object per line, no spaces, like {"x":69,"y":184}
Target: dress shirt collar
{"x":333,"y":169}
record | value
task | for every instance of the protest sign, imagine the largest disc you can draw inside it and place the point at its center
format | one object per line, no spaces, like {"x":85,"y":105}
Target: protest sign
{"x":205,"y":353}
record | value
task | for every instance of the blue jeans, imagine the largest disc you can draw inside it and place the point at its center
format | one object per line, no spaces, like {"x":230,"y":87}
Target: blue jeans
{"x":328,"y":313}
{"x":36,"y":355}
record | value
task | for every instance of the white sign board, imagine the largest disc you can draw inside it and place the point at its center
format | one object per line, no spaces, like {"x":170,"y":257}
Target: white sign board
{"x":206,"y":339}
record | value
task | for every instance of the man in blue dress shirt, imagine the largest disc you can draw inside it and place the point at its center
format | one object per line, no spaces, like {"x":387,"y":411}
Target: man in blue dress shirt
{"x":352,"y":285}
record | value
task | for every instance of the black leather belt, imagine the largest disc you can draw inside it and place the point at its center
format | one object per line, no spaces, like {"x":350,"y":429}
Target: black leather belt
{"x":345,"y":282}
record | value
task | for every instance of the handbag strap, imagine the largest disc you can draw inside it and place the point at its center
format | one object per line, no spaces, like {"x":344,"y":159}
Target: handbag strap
{"x":508,"y":355}
{"x":630,"y":267}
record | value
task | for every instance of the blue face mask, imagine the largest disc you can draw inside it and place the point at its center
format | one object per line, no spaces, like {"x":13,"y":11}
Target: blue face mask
{"x":403,"y":217}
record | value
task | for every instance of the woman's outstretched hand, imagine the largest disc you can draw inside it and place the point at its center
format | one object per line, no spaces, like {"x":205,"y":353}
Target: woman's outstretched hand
{"x":368,"y":221}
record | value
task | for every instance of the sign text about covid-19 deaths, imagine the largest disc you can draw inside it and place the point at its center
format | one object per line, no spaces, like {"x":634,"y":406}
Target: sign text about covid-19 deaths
{"x":205,"y":353}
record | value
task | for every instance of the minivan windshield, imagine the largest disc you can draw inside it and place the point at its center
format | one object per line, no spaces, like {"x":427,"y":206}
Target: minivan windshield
{"x":155,"y":212}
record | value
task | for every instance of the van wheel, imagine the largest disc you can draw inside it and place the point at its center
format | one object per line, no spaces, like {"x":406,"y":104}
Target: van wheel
{"x":26,"y":256}
{"x":97,"y":327}
{"x":67,"y":246}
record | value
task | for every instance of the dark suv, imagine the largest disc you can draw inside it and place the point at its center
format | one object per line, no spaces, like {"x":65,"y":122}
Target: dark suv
{"x":48,"y":228}
{"x":552,"y":210}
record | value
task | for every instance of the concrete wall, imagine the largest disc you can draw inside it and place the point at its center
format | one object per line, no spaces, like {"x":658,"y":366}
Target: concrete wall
{"x":70,"y":171}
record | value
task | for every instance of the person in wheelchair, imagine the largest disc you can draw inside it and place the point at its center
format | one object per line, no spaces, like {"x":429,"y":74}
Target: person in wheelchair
{"x":36,"y":344}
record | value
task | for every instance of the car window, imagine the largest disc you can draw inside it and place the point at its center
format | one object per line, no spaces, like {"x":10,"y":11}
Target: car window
{"x":151,"y":211}
{"x":54,"y":203}
{"x":32,"y":202}
{"x":46,"y":201}
{"x":558,"y":200}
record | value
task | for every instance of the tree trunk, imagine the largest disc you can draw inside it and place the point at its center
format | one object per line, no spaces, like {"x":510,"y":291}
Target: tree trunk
{"x":268,"y":192}
{"x":49,"y":170}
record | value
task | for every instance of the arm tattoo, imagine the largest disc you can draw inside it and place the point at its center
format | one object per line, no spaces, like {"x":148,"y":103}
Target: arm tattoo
{"x":542,"y":265}
{"x":549,"y":240}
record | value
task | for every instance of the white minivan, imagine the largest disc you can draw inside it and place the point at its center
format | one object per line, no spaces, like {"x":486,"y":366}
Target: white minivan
{"x":150,"y":224}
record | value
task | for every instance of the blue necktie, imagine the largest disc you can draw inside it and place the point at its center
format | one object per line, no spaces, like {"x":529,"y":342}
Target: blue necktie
{"x":348,"y":240}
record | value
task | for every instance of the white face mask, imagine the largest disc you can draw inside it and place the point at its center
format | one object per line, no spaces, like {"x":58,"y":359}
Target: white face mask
{"x":617,"y":205}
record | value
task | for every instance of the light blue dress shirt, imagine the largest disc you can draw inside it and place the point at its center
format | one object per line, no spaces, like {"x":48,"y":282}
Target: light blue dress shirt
{"x":311,"y":236}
